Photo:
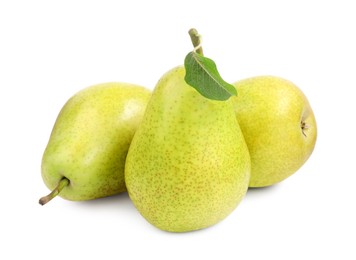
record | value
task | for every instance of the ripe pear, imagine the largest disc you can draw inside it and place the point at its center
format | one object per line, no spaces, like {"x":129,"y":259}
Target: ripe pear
{"x":85,"y":156}
{"x":279,"y":127}
{"x":188,"y":165}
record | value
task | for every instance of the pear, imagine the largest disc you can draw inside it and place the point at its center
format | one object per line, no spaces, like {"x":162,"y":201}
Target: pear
{"x":85,"y":156}
{"x":279,"y":127}
{"x":188,"y":165}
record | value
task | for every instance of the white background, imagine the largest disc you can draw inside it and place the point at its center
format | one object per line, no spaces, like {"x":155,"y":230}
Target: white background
{"x":49,"y":50}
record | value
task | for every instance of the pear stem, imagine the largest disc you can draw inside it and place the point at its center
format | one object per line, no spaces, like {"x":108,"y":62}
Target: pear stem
{"x":196,"y":40}
{"x":62,"y":183}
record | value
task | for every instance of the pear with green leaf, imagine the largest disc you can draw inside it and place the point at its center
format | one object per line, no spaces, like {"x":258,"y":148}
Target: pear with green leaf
{"x":188,"y":165}
{"x":85,"y":156}
{"x":279,"y":127}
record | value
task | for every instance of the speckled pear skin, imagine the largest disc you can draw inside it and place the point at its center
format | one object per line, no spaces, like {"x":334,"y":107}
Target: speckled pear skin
{"x":90,"y":139}
{"x":271,"y":112}
{"x":188,"y":165}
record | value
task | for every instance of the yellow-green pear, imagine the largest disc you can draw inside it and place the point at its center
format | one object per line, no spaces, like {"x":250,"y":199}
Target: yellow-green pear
{"x":188,"y":165}
{"x":85,"y":156}
{"x":278,"y":125}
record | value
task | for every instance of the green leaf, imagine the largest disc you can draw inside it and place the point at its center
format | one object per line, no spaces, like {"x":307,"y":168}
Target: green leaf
{"x":202,"y":74}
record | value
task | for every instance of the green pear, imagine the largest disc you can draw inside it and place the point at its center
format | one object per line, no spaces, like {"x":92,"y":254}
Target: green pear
{"x":85,"y":156}
{"x":188,"y":165}
{"x":278,"y":125}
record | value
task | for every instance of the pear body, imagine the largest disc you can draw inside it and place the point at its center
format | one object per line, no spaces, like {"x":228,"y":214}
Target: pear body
{"x":90,"y":140}
{"x":279,"y":127}
{"x":183,"y":170}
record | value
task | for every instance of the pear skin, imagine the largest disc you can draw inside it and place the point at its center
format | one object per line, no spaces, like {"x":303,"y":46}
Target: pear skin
{"x":188,"y":165}
{"x":279,"y":127}
{"x":90,"y":140}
